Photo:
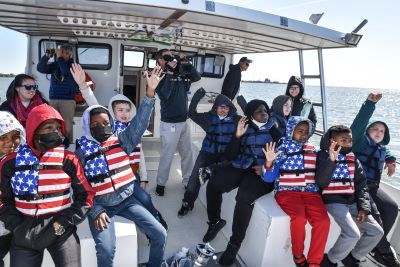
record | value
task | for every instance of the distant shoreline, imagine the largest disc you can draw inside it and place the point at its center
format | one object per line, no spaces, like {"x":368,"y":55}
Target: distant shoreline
{"x":273,"y":82}
{"x":9,"y":75}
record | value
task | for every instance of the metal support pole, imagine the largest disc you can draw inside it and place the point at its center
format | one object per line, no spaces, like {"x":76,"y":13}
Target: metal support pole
{"x":323,"y":89}
{"x":301,"y":63}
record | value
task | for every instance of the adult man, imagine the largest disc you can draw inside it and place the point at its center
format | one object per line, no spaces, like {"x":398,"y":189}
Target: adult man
{"x":231,"y":84}
{"x":62,"y":84}
{"x":174,"y":129}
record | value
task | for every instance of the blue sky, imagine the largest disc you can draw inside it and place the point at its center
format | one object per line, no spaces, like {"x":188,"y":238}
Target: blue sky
{"x":374,"y":64}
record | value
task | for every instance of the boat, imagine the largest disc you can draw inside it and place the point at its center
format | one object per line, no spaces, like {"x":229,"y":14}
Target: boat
{"x":115,"y":40}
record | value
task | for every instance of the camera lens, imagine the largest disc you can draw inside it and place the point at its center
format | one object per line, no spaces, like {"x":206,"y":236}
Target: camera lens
{"x":168,"y":58}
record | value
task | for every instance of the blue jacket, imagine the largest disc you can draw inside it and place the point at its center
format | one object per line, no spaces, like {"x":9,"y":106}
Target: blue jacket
{"x":128,"y":140}
{"x":62,"y":84}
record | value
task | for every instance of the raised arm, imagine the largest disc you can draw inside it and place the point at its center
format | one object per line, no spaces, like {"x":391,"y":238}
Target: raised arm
{"x":80,"y":78}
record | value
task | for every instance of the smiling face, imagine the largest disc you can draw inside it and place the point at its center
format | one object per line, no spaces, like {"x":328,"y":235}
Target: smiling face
{"x":377,"y":132}
{"x":222,"y":110}
{"x":260,"y":114}
{"x":122,"y":112}
{"x":9,"y":142}
{"x":294,"y":90}
{"x":343,"y":139}
{"x":22,"y":90}
{"x":301,"y":132}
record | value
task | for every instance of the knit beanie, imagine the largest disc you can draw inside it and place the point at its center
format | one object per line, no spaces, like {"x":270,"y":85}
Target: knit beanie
{"x":253,"y":105}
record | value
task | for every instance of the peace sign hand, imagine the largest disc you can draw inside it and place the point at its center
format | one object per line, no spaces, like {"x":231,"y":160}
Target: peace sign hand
{"x":333,"y":153}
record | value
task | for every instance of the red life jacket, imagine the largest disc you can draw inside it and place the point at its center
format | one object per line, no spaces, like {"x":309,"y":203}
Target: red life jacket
{"x":343,"y":176}
{"x":40,"y":185}
{"x":107,"y":165}
{"x":303,"y":175}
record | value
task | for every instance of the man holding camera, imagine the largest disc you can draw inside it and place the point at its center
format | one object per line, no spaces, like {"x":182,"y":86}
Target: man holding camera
{"x":62,"y":84}
{"x":174,"y":128}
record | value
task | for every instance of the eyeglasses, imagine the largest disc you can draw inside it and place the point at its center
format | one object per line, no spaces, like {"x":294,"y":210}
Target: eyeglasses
{"x":247,"y":64}
{"x":30,"y":86}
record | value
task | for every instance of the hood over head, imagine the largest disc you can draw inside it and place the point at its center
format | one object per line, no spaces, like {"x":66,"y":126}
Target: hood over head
{"x":253,"y":105}
{"x":223,"y":100}
{"x":293,"y":122}
{"x":37,"y":116}
{"x":386,"y":136}
{"x":295,"y":81}
{"x":278,"y":102}
{"x":9,"y":123}
{"x":325,"y":142}
{"x":86,"y":121}
{"x":121,"y":97}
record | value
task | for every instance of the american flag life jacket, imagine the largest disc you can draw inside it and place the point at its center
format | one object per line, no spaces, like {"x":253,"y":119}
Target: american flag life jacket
{"x":299,"y":166}
{"x":343,"y":176}
{"x":106,"y":165}
{"x":41,"y":186}
{"x":134,"y":157}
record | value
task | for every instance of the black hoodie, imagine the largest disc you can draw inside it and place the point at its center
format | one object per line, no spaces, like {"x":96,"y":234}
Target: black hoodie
{"x":231,"y":84}
{"x":324,"y":169}
{"x":299,"y":102}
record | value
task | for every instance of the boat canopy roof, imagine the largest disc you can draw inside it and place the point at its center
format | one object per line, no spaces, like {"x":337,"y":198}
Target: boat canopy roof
{"x":203,"y":25}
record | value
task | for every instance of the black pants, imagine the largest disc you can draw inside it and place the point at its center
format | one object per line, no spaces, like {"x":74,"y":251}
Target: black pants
{"x":385,"y":210}
{"x":64,"y":252}
{"x":251,"y":187}
{"x":204,"y":159}
{"x":5,"y":243}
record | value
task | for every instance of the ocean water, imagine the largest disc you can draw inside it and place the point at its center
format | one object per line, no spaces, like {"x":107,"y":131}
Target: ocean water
{"x":343,"y":104}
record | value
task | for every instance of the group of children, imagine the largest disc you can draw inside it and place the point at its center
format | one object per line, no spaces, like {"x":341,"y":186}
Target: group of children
{"x":40,"y":179}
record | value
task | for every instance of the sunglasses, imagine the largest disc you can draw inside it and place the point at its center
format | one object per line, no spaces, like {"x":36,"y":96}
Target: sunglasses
{"x":30,"y":86}
{"x":247,"y":64}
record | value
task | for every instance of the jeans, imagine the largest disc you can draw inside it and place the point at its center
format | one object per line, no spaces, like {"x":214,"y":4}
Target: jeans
{"x":64,"y":252}
{"x":133,"y":210}
{"x":357,"y":238}
{"x":144,"y":198}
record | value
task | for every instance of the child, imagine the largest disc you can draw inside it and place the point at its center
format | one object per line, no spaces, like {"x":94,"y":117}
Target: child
{"x":293,"y":169}
{"x":345,"y":193}
{"x":123,"y":110}
{"x":219,"y":124}
{"x":124,"y":113}
{"x":280,"y":112}
{"x":11,"y":135}
{"x":105,"y":157}
{"x":44,"y":194}
{"x":370,"y":141}
{"x":245,"y":152}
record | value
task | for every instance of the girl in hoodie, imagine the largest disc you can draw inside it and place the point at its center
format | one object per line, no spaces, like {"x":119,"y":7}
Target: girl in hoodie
{"x":301,"y":106}
{"x":44,"y":194}
{"x":370,"y":141}
{"x":219,"y":124}
{"x":244,"y":173}
{"x":105,"y":157}
{"x":292,"y":167}
{"x":280,"y":112}
{"x":11,"y":135}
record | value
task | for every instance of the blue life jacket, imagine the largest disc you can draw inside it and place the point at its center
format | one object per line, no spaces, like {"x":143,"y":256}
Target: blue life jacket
{"x":372,"y":159}
{"x":280,"y":122}
{"x":219,"y":134}
{"x":252,"y":143}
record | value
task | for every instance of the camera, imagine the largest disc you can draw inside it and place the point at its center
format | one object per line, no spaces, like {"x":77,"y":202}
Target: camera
{"x":183,"y":67}
{"x":50,"y":52}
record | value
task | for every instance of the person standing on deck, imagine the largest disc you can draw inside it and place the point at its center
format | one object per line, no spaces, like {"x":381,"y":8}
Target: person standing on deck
{"x":174,"y":127}
{"x":62,"y":85}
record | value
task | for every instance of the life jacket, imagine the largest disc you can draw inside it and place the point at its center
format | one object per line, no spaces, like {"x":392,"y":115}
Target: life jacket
{"x":343,"y":176}
{"x":299,"y":167}
{"x":134,"y":157}
{"x":219,"y":134}
{"x":372,"y":160}
{"x":280,"y":122}
{"x":40,"y":185}
{"x":107,"y":165}
{"x":252,"y":143}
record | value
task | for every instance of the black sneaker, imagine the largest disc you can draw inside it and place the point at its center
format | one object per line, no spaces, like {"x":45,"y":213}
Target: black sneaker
{"x":186,"y":207}
{"x":160,"y":190}
{"x":229,"y":255}
{"x":213,"y":229}
{"x":386,"y":259}
{"x":350,"y":261}
{"x":300,"y":261}
{"x":161,"y":220}
{"x":204,"y":175}
{"x":327,"y":263}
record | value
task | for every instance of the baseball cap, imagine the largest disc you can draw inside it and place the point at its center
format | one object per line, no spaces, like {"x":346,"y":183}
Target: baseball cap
{"x":245,"y":59}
